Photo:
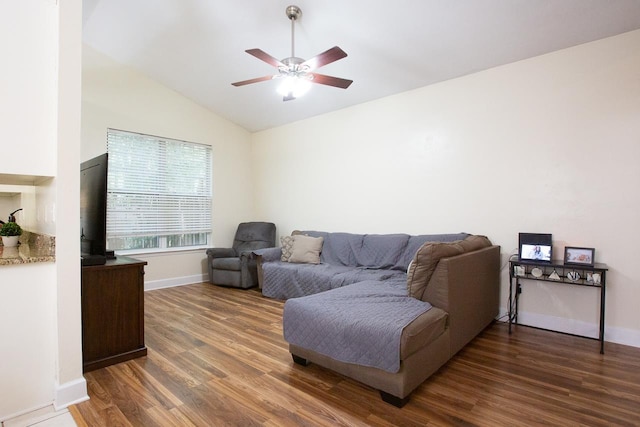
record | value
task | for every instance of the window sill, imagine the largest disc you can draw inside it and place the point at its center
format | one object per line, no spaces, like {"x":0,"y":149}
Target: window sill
{"x":161,"y":252}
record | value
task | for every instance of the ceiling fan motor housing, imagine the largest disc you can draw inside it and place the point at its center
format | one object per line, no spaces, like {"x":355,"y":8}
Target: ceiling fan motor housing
{"x":293,"y":12}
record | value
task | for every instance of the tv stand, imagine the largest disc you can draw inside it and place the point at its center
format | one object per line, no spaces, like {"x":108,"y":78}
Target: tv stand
{"x":86,"y":260}
{"x":112,"y":312}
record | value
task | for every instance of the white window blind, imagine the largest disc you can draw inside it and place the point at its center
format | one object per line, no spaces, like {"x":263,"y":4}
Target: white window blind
{"x":158,"y":192}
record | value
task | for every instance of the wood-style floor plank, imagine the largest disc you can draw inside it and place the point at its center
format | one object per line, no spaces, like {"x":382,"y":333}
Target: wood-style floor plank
{"x":216,"y":357}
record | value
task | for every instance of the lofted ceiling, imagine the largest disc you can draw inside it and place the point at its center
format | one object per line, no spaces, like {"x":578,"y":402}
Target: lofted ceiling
{"x":197,"y":47}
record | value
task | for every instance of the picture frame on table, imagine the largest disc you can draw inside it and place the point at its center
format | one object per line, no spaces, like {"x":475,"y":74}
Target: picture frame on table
{"x":579,"y":256}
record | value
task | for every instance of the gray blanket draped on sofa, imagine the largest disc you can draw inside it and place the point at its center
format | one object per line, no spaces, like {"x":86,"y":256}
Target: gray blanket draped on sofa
{"x":361,"y":323}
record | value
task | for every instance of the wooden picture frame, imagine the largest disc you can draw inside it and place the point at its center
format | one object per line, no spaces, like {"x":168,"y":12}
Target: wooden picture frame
{"x":579,"y":256}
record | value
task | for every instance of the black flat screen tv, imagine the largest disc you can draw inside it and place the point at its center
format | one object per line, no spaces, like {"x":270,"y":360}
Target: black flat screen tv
{"x":93,"y":210}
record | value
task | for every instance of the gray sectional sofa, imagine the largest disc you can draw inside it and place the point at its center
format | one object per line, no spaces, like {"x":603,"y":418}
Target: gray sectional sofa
{"x":385,"y":310}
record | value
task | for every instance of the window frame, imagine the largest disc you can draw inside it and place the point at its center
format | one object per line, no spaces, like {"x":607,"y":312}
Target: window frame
{"x":183,"y":208}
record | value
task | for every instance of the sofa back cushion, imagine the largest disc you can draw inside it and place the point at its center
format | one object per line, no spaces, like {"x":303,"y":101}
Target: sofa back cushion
{"x":361,"y":250}
{"x":415,"y":242}
{"x":427,"y":257}
{"x":380,"y":250}
{"x":387,"y":251}
{"x":339,"y":248}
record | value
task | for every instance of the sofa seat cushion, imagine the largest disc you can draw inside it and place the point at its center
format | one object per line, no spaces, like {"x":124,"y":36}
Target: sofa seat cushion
{"x":355,"y":275}
{"x":422,"y":331}
{"x":226,"y":264}
{"x":284,"y":280}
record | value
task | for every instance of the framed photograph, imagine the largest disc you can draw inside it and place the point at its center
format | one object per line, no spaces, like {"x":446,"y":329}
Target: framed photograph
{"x":534,"y":247}
{"x":579,"y":256}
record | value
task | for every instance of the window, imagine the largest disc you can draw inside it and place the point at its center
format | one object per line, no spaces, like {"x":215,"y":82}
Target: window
{"x":158,"y":193}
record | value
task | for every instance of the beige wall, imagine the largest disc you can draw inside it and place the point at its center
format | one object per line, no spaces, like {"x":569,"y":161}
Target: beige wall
{"x":548,"y":144}
{"x":114,"y":96}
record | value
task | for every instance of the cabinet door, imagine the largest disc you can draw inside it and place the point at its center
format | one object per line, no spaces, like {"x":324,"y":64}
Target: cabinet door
{"x":112,"y":311}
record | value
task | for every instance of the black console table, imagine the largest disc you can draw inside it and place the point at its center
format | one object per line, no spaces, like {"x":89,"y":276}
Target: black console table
{"x":574,"y":275}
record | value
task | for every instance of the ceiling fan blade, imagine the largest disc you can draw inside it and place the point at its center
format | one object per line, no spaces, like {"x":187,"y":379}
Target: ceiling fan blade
{"x":325,"y":58}
{"x":264,"y":56}
{"x":330,"y":81}
{"x":256,"y":80}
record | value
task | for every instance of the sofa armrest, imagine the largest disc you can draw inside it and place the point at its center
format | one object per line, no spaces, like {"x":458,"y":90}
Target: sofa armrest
{"x":467,"y":286}
{"x":269,"y":254}
{"x":265,"y":255}
{"x":221,"y":253}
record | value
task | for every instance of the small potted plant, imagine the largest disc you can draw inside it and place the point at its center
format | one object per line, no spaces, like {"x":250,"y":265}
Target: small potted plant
{"x":10,"y":232}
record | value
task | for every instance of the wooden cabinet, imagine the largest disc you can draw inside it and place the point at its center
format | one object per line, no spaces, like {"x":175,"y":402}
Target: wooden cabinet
{"x":112,"y":312}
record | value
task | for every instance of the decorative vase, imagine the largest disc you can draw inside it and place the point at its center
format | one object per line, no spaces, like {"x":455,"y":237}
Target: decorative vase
{"x":10,"y":241}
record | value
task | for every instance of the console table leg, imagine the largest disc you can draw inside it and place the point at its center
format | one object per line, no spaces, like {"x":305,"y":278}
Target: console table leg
{"x":602,"y":306}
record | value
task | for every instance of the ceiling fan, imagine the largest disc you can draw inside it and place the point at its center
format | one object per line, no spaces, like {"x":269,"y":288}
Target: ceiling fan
{"x":296,"y":73}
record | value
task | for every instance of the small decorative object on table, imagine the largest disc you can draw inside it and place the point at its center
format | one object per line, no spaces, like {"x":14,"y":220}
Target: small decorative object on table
{"x":536,"y":272}
{"x":519,"y":270}
{"x":10,"y":233}
{"x":573,"y":275}
{"x":579,"y":256}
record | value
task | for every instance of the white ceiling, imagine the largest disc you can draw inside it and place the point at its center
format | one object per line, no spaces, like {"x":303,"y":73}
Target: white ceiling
{"x":196,"y":47}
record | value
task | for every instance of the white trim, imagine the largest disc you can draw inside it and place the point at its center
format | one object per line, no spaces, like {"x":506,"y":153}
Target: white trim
{"x":612,"y":334}
{"x":70,"y":393}
{"x":175,"y":281}
{"x":32,"y":417}
{"x":25,"y":414}
{"x":161,"y":252}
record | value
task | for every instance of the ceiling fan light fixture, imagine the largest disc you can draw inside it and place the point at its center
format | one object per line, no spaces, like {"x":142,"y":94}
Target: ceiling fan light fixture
{"x":294,"y":86}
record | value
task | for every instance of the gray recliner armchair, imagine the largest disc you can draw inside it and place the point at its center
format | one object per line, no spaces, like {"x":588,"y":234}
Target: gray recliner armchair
{"x":235,"y":266}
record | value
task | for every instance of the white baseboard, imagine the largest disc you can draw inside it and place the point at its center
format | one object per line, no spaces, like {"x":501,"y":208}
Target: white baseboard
{"x":623,"y":336}
{"x":175,"y":281}
{"x":66,"y":394}
{"x":70,"y":393}
{"x":33,"y":417}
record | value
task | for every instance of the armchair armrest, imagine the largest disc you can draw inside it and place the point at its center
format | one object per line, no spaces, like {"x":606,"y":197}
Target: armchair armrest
{"x":221,"y":253}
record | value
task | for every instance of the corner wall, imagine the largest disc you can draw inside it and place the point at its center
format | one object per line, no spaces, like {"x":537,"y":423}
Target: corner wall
{"x":548,"y":144}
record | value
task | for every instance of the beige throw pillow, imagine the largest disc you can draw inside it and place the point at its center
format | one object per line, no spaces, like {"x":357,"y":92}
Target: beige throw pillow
{"x":306,"y":249}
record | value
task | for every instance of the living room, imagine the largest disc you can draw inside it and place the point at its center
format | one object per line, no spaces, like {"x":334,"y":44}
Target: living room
{"x":540,"y":145}
{"x":546,"y":144}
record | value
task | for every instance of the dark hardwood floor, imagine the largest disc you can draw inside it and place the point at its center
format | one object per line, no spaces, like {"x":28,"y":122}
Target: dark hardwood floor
{"x":217,"y":358}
